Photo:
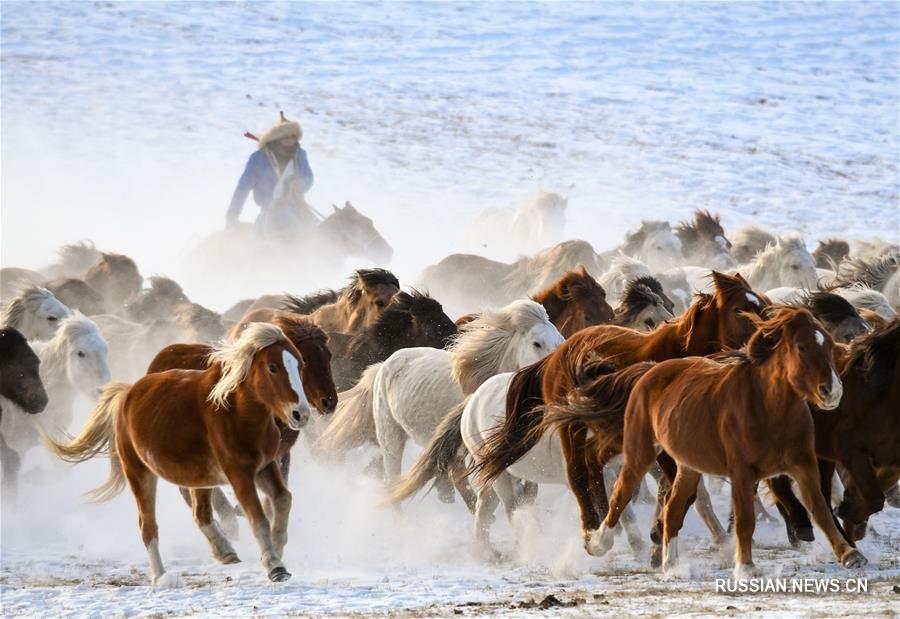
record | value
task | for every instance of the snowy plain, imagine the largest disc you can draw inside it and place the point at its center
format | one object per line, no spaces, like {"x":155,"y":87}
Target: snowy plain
{"x":123,"y":123}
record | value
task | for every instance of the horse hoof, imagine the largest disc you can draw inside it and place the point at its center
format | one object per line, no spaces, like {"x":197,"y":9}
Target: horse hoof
{"x":656,"y":556}
{"x":279,"y":574}
{"x":744,"y":571}
{"x":230,"y":558}
{"x":805,"y":534}
{"x":599,"y":541}
{"x":854,"y":559}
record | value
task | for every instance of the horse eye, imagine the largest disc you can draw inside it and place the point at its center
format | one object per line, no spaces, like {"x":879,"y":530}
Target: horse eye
{"x":81,"y":354}
{"x":273,"y":368}
{"x":52,"y":318}
{"x":379,"y":303}
{"x":537,"y":344}
{"x":801,"y":347}
{"x":796,"y":267}
{"x":649,"y":322}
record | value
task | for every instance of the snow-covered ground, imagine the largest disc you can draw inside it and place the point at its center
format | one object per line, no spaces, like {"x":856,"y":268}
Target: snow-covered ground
{"x":123,"y":123}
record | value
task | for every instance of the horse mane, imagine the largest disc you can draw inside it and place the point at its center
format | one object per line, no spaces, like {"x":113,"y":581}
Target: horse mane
{"x":482,"y":347}
{"x":82,"y":255}
{"x":352,"y":292}
{"x":634,"y":240}
{"x":193,"y":314}
{"x":875,"y":355}
{"x":22,"y":303}
{"x":236,"y":358}
{"x":705,"y":225}
{"x":574,"y":285}
{"x":52,"y":352}
{"x":394,"y":323}
{"x":308,"y":304}
{"x":529,"y":273}
{"x":865,"y":297}
{"x":110,"y":261}
{"x":165,"y":286}
{"x":830,"y":307}
{"x":765,"y":340}
{"x":299,"y":328}
{"x":873,"y":272}
{"x":638,"y":295}
{"x":783,"y":244}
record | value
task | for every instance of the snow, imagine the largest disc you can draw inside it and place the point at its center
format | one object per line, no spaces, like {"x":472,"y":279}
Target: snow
{"x":123,"y":123}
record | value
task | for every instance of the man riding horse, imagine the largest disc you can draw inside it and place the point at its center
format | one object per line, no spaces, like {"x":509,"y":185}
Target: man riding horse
{"x":279,"y":175}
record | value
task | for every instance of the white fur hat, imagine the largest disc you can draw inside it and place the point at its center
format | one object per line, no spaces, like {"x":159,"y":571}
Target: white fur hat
{"x":284,"y":128}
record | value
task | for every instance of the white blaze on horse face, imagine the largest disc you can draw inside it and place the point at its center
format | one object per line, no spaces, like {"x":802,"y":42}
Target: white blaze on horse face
{"x":292,"y":367}
{"x":753,"y":299}
{"x":820,"y":338}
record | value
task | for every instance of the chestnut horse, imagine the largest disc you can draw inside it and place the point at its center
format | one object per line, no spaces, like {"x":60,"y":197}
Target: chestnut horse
{"x":201,"y":429}
{"x":310,"y":341}
{"x":574,"y":301}
{"x":742,"y":414}
{"x":713,"y":323}
{"x":863,"y":434}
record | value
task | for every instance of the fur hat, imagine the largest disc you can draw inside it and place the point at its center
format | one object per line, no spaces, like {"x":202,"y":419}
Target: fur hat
{"x":284,"y":128}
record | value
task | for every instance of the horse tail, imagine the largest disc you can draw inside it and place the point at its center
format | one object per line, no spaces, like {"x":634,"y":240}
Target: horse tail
{"x":513,"y":438}
{"x":598,"y":405}
{"x":353,"y":424}
{"x":97,"y":437}
{"x":437,"y":460}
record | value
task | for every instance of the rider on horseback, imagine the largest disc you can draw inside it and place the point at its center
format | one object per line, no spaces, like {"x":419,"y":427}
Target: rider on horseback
{"x":279,"y":175}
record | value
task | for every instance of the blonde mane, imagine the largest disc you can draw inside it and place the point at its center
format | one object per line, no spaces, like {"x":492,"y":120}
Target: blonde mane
{"x":236,"y":358}
{"x":483,"y":347}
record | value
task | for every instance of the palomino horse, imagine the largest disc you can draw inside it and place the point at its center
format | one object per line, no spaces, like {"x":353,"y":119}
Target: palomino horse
{"x":201,"y":429}
{"x":348,"y":310}
{"x":20,"y":387}
{"x":466,"y":281}
{"x":318,"y":386}
{"x":712,"y":323}
{"x":505,"y":233}
{"x":863,"y":434}
{"x":718,"y":416}
{"x":35,"y":313}
{"x":117,"y":278}
{"x":74,"y":362}
{"x":703,"y":242}
{"x":748,"y":241}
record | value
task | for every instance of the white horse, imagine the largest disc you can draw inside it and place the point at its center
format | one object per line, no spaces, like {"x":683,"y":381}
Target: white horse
{"x":506,"y":233}
{"x":787,"y":262}
{"x":623,"y":269}
{"x":73,"y":362}
{"x":35,"y":312}
{"x":543,"y":464}
{"x":864,"y":298}
{"x":654,"y":244}
{"x":416,"y":387}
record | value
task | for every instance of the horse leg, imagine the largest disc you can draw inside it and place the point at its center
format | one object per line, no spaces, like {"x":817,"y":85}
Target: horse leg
{"x":704,"y":508}
{"x":227,"y":512}
{"x":271,"y":482}
{"x":628,"y":520}
{"x":392,"y":439}
{"x":887,"y":478}
{"x":683,"y":491}
{"x":461,"y":483}
{"x":485,"y":505}
{"x":12,"y":463}
{"x":639,"y":454}
{"x":243,"y":480}
{"x":797,"y":517}
{"x":743,"y":490}
{"x":573,"y":446}
{"x":806,"y":474}
{"x":222,"y":551}
{"x":864,"y":485}
{"x":143,"y":485}
{"x":664,"y":471}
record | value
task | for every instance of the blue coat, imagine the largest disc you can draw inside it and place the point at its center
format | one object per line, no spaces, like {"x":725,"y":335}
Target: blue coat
{"x":259,"y":177}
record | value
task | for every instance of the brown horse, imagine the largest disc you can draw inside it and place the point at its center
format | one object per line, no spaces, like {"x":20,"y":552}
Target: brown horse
{"x":117,"y":278}
{"x":713,"y":323}
{"x":743,"y":415}
{"x":574,"y":301}
{"x":201,"y":429}
{"x":354,"y":307}
{"x":863,"y":434}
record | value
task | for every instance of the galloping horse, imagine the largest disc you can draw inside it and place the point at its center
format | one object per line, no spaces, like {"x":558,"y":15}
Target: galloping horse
{"x":712,"y":323}
{"x":35,"y":313}
{"x":201,"y":429}
{"x":716,"y":416}
{"x":318,"y":386}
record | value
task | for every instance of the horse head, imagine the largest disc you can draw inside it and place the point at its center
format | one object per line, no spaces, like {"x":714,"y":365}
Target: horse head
{"x":655,"y":244}
{"x":575,"y":301}
{"x":643,"y":306}
{"x":116,"y":277}
{"x":357,"y":235}
{"x":82,"y":351}
{"x":312,"y":343}
{"x":36,"y":312}
{"x":20,"y":380}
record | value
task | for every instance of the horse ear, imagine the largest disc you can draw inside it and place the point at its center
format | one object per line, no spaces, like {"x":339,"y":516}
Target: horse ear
{"x":348,"y":206}
{"x":335,"y":207}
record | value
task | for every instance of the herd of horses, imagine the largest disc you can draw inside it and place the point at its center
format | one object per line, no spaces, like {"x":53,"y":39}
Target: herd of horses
{"x":682,"y":353}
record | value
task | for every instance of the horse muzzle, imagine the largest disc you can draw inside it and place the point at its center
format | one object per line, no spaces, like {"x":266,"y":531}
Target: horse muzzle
{"x":298,"y":416}
{"x":829,"y":395}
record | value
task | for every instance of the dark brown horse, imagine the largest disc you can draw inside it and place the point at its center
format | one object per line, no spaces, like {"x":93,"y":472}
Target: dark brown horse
{"x":863,"y":434}
{"x":713,"y":323}
{"x":743,"y":415}
{"x":201,"y":429}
